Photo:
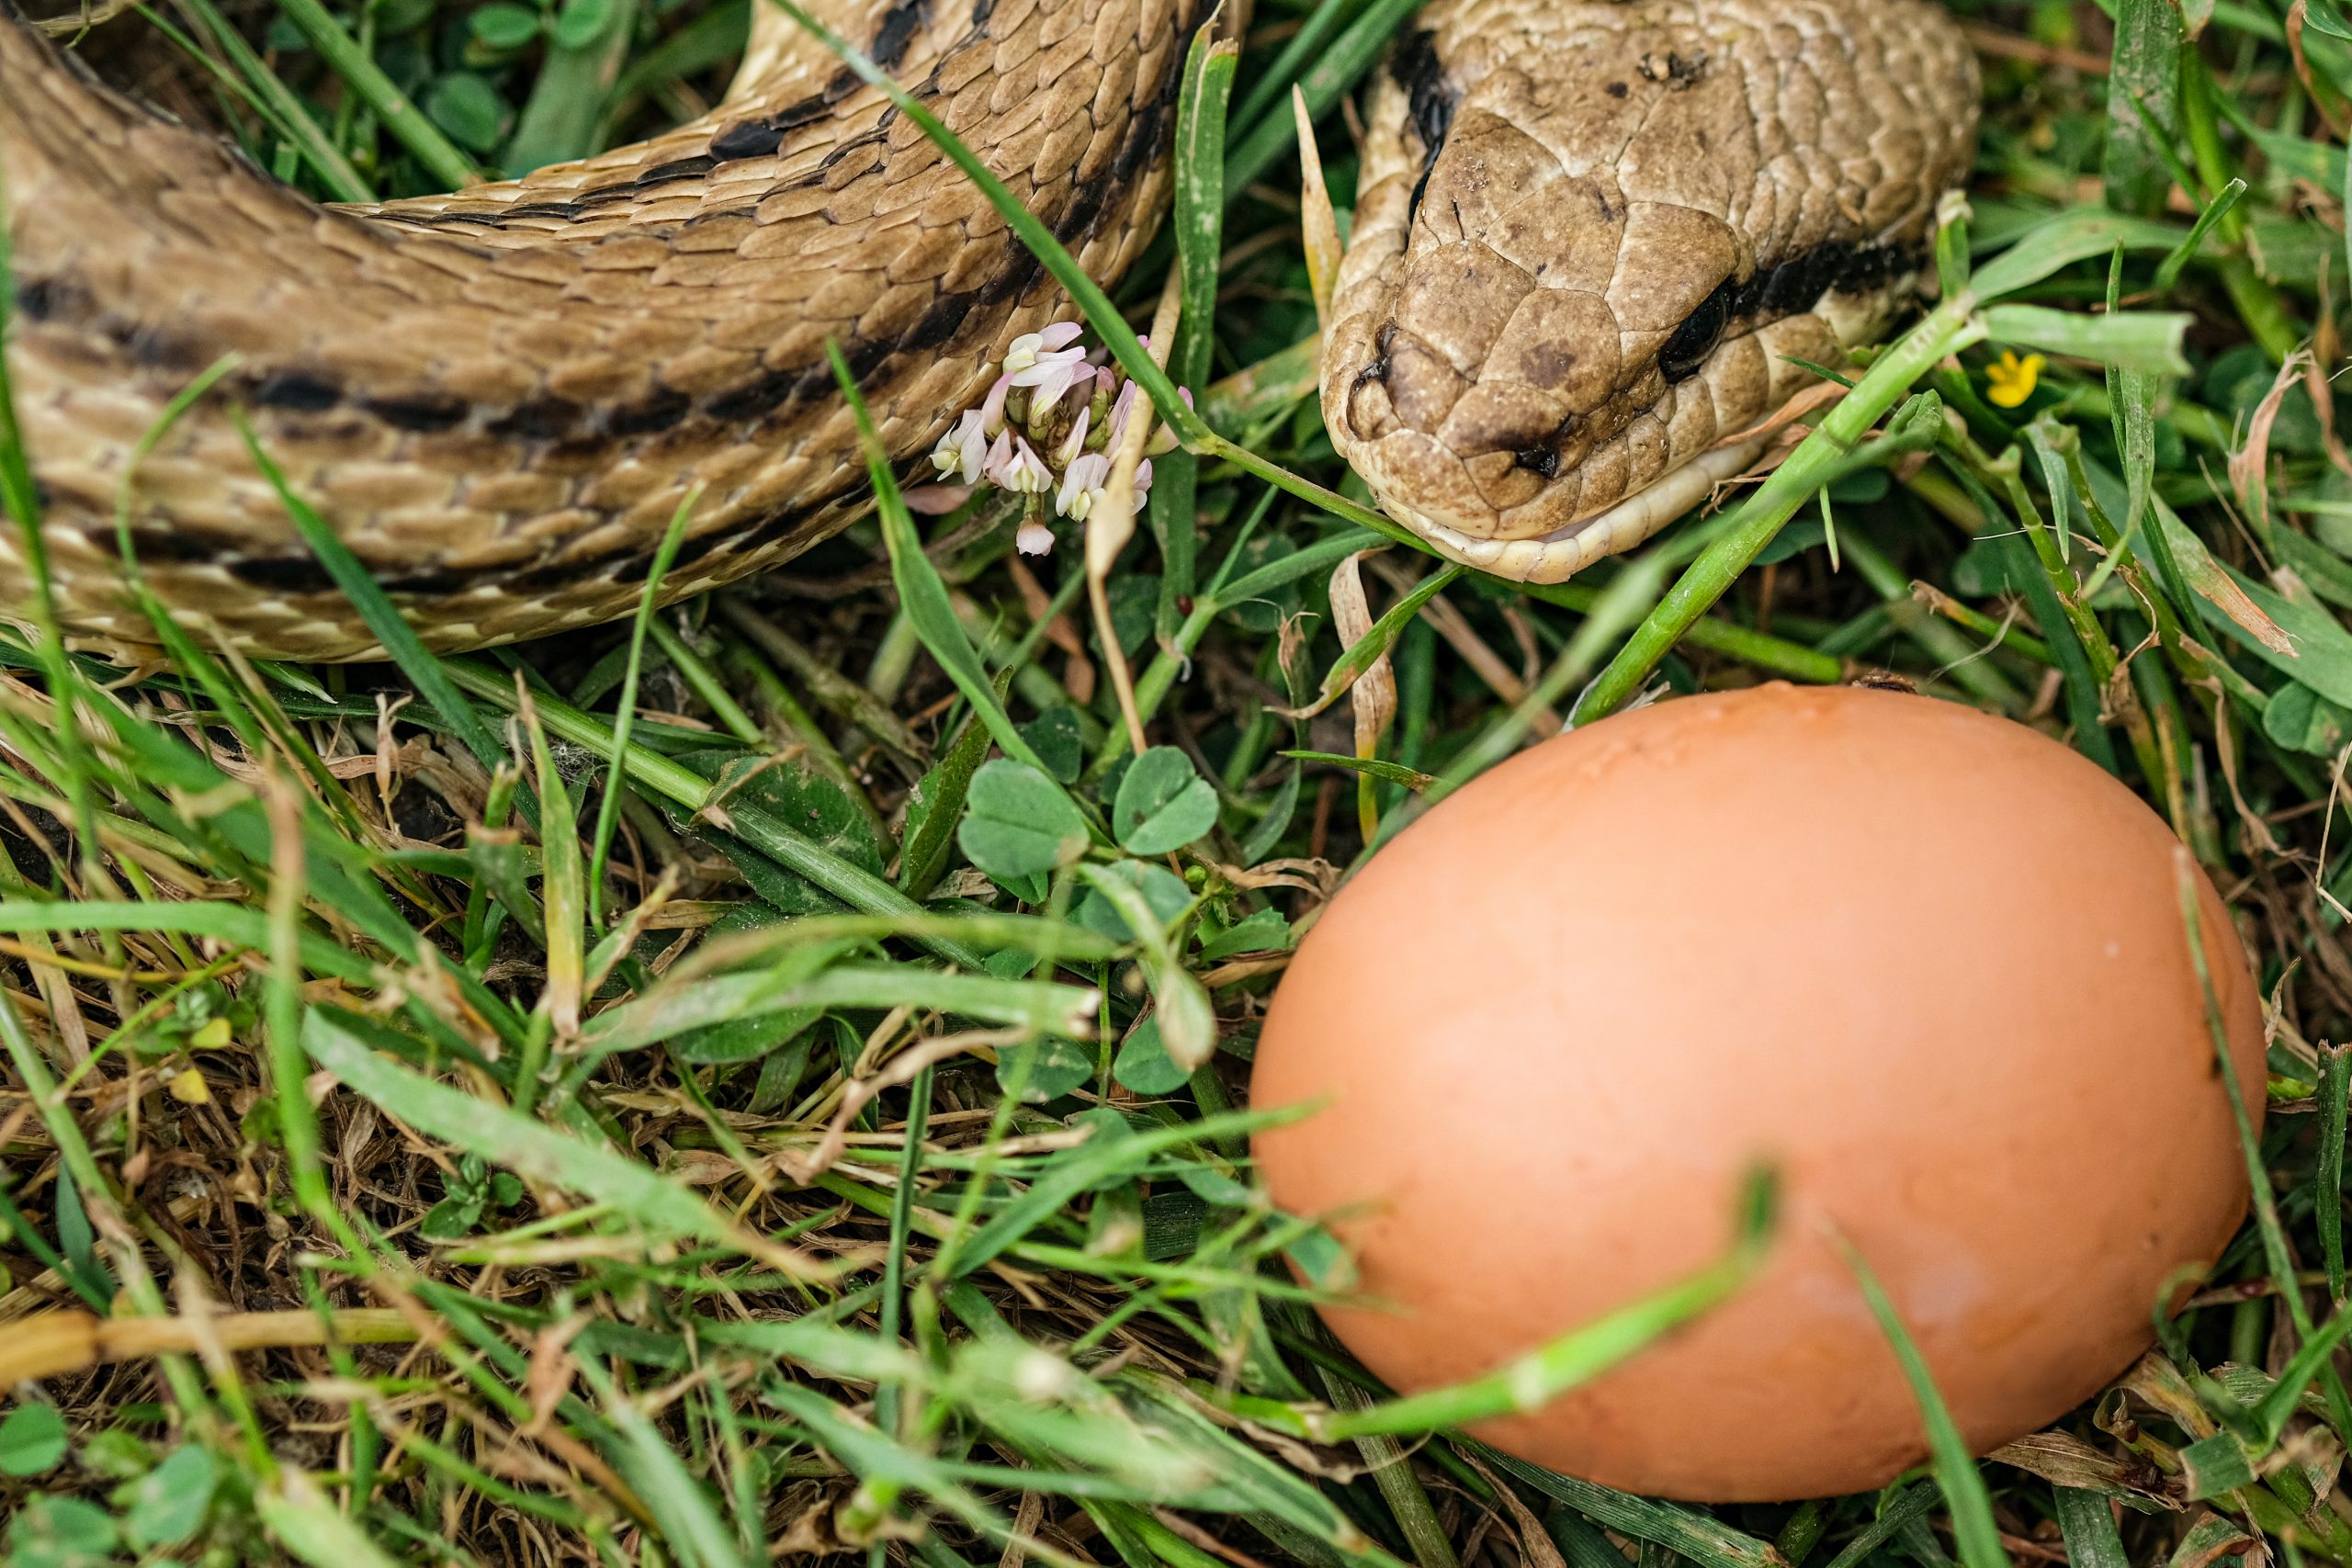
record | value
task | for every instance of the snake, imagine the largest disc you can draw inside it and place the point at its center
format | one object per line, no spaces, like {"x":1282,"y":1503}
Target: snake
{"x":1595,"y":243}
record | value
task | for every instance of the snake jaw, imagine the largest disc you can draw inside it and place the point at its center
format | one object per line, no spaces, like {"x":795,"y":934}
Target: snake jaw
{"x":1561,"y":554}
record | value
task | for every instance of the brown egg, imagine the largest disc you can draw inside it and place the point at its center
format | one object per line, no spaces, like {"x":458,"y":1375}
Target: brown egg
{"x":1929,"y":963}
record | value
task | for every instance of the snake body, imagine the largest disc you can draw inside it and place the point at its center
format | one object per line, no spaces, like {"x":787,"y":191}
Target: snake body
{"x":499,"y":397}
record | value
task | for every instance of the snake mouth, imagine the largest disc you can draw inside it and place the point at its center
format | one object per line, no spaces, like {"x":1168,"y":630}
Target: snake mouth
{"x":1559,"y":555}
{"x":1679,"y":441}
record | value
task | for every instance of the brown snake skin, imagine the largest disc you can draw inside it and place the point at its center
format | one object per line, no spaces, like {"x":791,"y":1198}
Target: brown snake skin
{"x":500,"y":397}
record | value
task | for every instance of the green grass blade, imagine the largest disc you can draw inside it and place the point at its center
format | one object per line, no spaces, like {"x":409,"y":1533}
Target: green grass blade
{"x":1337,"y":69}
{"x":853,"y":885}
{"x":286,"y":112}
{"x":1534,"y":1379}
{"x":1962,"y":1483}
{"x":515,"y":1141}
{"x":398,"y":639}
{"x":1199,"y":221}
{"x":608,"y":805}
{"x":2327,"y":1183}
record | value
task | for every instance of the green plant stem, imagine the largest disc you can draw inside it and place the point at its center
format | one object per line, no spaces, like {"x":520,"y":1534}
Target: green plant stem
{"x":343,"y":56}
{"x":1742,"y":537}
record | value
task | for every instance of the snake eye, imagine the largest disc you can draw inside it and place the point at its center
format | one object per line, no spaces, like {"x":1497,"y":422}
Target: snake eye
{"x":1680,"y":355}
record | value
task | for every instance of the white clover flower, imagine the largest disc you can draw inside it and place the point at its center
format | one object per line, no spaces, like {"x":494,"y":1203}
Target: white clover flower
{"x":1034,"y":539}
{"x":1052,"y":373}
{"x":1081,"y":485}
{"x":1022,"y":471}
{"x":960,"y":451}
{"x":1026,"y":349}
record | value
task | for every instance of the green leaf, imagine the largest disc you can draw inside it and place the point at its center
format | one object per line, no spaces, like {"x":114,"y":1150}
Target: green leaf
{"x":2088,"y":1525}
{"x":1164,"y":894}
{"x":503,"y":26}
{"x":311,"y":1526}
{"x":1276,"y":821}
{"x":1144,"y":1064}
{"x":2215,"y":1465}
{"x":1264,"y":932}
{"x":1018,"y":822}
{"x":743,"y":1039}
{"x":568,"y":98}
{"x":1055,"y":735}
{"x":724,"y":998}
{"x":168,"y":1505}
{"x":796,"y":794}
{"x":60,"y":1532}
{"x":425,"y":673}
{"x":452,"y":1218}
{"x":1134,"y":893}
{"x":1163,"y":804}
{"x":76,"y":1240}
{"x":936,"y":804}
{"x":582,"y":22}
{"x":2321,"y":659}
{"x":469,"y":109}
{"x":32,"y":1439}
{"x":2076,"y":234}
{"x":2141,"y":90}
{"x":2302,"y":720}
{"x":1045,"y":1070}
{"x":1378,"y":768}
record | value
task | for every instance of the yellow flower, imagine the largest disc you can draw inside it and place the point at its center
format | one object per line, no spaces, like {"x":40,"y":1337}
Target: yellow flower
{"x":2010,"y":380}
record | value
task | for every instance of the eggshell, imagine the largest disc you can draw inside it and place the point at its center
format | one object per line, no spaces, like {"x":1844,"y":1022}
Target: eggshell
{"x":1929,"y":962}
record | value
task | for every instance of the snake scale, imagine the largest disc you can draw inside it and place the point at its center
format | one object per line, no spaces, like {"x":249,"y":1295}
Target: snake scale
{"x":1590,"y":235}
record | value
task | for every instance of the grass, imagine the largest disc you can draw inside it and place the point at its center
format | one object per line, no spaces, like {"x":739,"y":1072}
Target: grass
{"x":770,"y":1076}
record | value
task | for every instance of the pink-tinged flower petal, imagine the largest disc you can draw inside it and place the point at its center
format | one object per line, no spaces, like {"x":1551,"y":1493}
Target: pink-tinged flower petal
{"x":1034,"y":539}
{"x":936,"y":501}
{"x":1061,"y":334}
{"x":1053,"y":389}
{"x":1119,"y":410}
{"x":992,"y":407}
{"x":998,"y":464}
{"x":1075,"y":442}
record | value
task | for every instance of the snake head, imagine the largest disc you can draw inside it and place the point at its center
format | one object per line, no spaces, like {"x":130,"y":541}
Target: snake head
{"x":1572,"y":291}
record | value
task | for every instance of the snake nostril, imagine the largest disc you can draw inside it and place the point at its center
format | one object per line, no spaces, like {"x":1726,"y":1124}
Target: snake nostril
{"x":1542,"y":461}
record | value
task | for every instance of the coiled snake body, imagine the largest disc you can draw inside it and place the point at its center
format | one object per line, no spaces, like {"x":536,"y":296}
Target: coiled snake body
{"x":1589,"y":233}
